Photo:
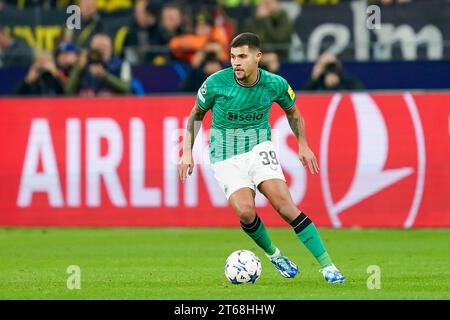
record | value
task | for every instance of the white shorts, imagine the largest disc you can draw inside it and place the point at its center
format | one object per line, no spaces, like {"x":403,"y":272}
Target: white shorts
{"x":248,"y":169}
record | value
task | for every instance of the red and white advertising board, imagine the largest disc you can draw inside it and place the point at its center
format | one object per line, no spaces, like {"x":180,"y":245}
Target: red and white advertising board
{"x":384,"y":160}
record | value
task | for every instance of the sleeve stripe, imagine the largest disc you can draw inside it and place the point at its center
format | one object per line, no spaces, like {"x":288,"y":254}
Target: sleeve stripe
{"x":201,"y":107}
{"x":200,"y":96}
{"x":293,"y":104}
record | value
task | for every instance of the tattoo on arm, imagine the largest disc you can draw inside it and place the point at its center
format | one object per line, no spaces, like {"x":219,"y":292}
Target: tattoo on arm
{"x":297,"y":124}
{"x":193,"y":126}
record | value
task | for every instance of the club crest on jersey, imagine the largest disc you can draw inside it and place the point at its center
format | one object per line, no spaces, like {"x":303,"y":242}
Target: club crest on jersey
{"x":265,"y":100}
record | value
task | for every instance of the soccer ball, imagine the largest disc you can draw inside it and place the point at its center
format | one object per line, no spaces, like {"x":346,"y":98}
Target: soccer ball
{"x":243,"y":266}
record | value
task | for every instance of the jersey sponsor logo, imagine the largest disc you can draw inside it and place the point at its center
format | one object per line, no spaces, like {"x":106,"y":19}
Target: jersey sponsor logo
{"x":238,"y":116}
{"x":291,"y":93}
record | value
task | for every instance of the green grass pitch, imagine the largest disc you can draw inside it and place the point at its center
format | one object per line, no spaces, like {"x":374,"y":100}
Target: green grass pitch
{"x":188,"y":263}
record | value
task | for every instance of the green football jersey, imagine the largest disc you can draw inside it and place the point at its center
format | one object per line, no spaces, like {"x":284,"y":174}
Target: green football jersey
{"x":240,"y":114}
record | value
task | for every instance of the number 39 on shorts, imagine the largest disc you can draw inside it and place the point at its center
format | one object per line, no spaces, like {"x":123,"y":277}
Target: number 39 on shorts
{"x":268,"y":157}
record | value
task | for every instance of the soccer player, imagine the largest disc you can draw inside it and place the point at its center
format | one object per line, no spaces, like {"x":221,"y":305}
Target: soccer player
{"x":243,"y":156}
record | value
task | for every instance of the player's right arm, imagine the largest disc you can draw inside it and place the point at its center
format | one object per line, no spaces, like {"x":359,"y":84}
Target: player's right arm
{"x":186,"y":164}
{"x":203,"y":103}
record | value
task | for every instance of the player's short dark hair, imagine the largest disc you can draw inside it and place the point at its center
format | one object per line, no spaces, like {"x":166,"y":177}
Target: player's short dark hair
{"x":246,"y":39}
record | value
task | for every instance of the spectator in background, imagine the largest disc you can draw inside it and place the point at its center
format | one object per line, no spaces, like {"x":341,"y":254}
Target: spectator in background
{"x":210,"y":64}
{"x":270,"y":62}
{"x":143,"y":34}
{"x":388,"y":2}
{"x":171,"y":23}
{"x":273,"y":26}
{"x":44,"y":4}
{"x":15,"y":52}
{"x":237,"y":12}
{"x":98,"y":73}
{"x":113,"y":5}
{"x":211,"y":46}
{"x":184,"y":47}
{"x":66,"y":56}
{"x":320,"y":2}
{"x":328,"y":74}
{"x":42,"y":78}
{"x":91,"y":24}
{"x":237,"y":3}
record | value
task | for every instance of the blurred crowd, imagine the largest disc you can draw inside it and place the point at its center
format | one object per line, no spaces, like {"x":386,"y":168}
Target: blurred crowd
{"x":194,"y":33}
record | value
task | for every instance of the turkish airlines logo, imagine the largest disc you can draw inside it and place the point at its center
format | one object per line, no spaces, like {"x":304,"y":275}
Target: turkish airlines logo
{"x":389,"y":161}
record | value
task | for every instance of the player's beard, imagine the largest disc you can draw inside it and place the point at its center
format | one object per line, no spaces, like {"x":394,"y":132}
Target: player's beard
{"x":241,"y":73}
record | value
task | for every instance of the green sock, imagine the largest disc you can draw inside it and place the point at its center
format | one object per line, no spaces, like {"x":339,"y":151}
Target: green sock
{"x":308,"y":234}
{"x":258,"y":232}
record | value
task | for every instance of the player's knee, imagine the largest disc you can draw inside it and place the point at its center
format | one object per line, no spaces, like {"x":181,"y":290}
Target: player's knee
{"x":246,"y":212}
{"x":286,"y":208}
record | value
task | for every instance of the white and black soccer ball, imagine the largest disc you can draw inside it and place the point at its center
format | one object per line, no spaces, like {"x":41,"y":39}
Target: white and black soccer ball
{"x":243,"y":266}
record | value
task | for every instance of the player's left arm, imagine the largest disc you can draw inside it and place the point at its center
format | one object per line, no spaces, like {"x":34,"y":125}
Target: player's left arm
{"x":297,"y":124}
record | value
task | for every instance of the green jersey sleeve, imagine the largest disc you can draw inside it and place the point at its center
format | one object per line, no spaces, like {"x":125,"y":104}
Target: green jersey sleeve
{"x":205,"y":97}
{"x":285,"y":96}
